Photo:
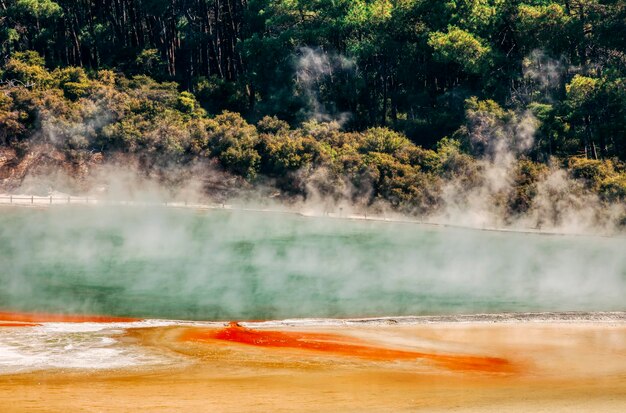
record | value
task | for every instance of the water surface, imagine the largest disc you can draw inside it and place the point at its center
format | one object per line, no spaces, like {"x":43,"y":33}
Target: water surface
{"x":221,"y":265}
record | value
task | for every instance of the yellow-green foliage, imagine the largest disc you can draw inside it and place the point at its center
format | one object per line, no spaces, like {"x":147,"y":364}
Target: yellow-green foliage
{"x":580,"y":90}
{"x":383,"y":140}
{"x":73,"y":81}
{"x":283,"y":152}
{"x":81,"y":112}
{"x":27,"y":68}
{"x":591,"y":172}
{"x":403,"y":185}
{"x":601,"y":176}
{"x":186,"y":102}
{"x":541,"y":17}
{"x":10,"y":119}
{"x":232,"y":140}
{"x":613,"y":188}
{"x":526,"y":176}
{"x":460,"y":47}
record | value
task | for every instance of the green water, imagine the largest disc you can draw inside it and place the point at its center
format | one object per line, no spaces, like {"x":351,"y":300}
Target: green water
{"x":183,"y":264}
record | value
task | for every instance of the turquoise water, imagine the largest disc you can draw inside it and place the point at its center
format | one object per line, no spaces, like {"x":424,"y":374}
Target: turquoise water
{"x":214,"y":265}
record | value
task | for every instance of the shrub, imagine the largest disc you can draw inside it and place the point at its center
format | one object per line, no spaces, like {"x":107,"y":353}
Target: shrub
{"x":613,"y":189}
{"x":383,"y":140}
{"x":592,"y":172}
{"x":28,"y":68}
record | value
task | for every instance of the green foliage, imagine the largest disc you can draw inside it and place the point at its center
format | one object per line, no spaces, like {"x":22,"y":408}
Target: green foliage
{"x":73,"y":81}
{"x":405,"y":186}
{"x":407,"y":65}
{"x":460,"y":47}
{"x":171,"y":82}
{"x":216,"y":94}
{"x":186,"y":102}
{"x":107,"y":77}
{"x":282,"y":153}
{"x":232,"y":140}
{"x":149,"y":62}
{"x":544,"y":23}
{"x":11,"y":127}
{"x":580,"y":91}
{"x":613,"y":189}
{"x":383,"y":140}
{"x":454,"y":164}
{"x":272,"y":125}
{"x":488,"y":127}
{"x":30,"y":58}
{"x":601,"y":176}
{"x":592,"y":172}
{"x":27,"y":68}
{"x":526,"y":176}
{"x":39,"y":9}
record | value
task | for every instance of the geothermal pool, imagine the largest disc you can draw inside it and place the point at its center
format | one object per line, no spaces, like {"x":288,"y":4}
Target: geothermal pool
{"x":106,"y":309}
{"x":225,"y":265}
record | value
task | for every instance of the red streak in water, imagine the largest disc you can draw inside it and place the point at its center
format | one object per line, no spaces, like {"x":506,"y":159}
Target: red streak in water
{"x":61,"y":318}
{"x":343,"y":345}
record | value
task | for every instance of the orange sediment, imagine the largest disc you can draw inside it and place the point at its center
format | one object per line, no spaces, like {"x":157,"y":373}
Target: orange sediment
{"x":345,"y":346}
{"x":18,"y":324}
{"x":33,"y":318}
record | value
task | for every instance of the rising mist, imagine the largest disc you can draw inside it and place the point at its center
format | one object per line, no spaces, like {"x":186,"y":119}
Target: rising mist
{"x":217,"y":264}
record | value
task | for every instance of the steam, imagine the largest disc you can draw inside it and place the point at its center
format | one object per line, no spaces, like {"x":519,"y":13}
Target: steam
{"x":500,"y":144}
{"x":221,"y":264}
{"x":560,"y":203}
{"x":476,"y":198}
{"x":315,"y":67}
{"x":168,"y":263}
{"x":544,"y":70}
{"x":542,"y":76}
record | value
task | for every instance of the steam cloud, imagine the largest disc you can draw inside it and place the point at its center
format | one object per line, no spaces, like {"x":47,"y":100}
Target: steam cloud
{"x":313,"y":68}
{"x":560,"y":204}
{"x":161,"y":262}
{"x":543,"y":69}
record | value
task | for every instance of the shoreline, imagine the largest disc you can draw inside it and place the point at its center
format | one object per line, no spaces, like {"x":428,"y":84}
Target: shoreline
{"x":618,"y":317}
{"x":556,"y":317}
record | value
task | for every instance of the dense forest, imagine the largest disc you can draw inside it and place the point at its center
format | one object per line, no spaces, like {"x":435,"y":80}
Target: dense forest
{"x":395,"y":100}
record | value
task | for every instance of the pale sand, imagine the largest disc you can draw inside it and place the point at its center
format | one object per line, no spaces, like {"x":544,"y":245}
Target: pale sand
{"x":556,"y":367}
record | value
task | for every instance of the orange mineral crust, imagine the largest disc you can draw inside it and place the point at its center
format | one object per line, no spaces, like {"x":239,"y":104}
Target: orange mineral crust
{"x":61,"y":318}
{"x":561,"y":367}
{"x":344,"y":346}
{"x":17,"y":324}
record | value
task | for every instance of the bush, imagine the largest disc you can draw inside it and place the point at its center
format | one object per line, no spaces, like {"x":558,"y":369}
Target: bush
{"x":74,"y":82}
{"x":233,"y":140}
{"x":272,"y":125}
{"x":527,"y":175}
{"x":613,"y":189}
{"x":383,"y":140}
{"x":282,"y":152}
{"x":28,"y":68}
{"x":592,"y":172}
{"x":186,"y":102}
